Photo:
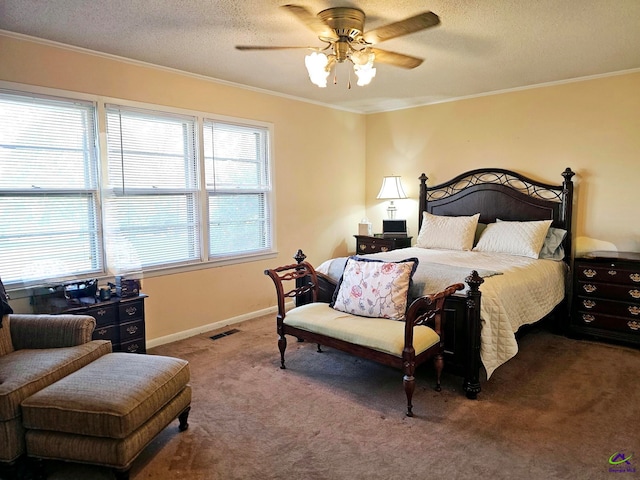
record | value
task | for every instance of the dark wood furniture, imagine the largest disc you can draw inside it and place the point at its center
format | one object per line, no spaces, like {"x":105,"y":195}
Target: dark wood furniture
{"x":425,"y":310}
{"x":120,"y":320}
{"x":495,"y":193}
{"x":606,"y":296}
{"x":378,"y":243}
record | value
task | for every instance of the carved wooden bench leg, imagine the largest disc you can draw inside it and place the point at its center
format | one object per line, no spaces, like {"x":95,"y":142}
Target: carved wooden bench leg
{"x":282,"y":346}
{"x":438,"y":362}
{"x":409,"y":382}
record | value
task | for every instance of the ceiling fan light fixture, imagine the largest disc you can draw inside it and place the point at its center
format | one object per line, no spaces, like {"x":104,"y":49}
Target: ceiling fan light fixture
{"x":318,"y":67}
{"x":342,"y":29}
{"x":365,"y":73}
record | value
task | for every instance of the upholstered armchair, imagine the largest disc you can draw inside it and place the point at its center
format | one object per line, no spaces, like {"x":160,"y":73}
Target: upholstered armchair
{"x":36,"y":351}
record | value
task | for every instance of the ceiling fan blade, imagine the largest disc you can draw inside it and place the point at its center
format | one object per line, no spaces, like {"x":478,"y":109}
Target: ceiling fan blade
{"x":402,"y":27}
{"x":270,"y":47}
{"x":396,"y":59}
{"x":314,"y":23}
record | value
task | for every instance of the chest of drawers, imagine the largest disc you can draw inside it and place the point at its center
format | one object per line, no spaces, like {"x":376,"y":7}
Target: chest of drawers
{"x":366,"y":244}
{"x":120,"y":320}
{"x":606,"y":296}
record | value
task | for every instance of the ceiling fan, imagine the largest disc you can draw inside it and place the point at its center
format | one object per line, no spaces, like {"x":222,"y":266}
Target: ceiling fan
{"x":342,"y":30}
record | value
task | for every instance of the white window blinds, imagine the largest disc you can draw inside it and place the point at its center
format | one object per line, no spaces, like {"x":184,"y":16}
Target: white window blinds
{"x":238,"y":188}
{"x":152,"y":195}
{"x":48,"y":189}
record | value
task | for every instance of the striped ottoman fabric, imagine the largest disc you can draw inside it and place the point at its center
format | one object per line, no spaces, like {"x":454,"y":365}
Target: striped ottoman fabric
{"x":107,"y":412}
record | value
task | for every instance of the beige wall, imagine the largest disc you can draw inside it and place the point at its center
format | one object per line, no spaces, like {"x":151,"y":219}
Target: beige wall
{"x":591,"y":126}
{"x":319,"y":195}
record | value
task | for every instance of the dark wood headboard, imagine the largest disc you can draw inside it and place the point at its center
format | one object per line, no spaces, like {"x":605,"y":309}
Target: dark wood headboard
{"x":504,"y":194}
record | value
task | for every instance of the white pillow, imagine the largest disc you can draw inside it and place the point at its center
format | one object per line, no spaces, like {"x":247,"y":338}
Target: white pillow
{"x":514,"y":238}
{"x":450,"y":233}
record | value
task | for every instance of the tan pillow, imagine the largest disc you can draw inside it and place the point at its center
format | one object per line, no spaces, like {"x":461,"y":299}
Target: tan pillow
{"x":449,"y":233}
{"x":6,"y":346}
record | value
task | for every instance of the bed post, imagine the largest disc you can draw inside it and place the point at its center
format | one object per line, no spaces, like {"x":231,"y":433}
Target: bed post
{"x":471,"y":384}
{"x":567,"y":207}
{"x":422,"y":202}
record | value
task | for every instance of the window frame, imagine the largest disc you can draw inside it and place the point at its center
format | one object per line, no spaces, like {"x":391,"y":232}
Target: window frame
{"x":205,"y":262}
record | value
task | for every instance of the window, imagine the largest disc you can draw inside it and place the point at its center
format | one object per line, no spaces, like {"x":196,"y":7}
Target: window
{"x":163,"y":189}
{"x":238,"y":188}
{"x":48,"y":189}
{"x":152,"y":212}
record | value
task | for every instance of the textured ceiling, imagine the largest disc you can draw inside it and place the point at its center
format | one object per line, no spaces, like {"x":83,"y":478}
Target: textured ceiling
{"x":479,"y":47}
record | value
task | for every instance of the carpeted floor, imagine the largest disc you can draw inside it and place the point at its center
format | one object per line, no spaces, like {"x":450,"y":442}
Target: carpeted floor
{"x":558,"y":410}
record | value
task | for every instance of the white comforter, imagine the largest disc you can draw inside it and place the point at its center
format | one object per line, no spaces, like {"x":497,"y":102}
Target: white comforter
{"x":524,"y":292}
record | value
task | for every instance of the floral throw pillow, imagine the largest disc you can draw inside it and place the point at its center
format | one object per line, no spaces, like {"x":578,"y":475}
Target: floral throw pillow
{"x":375,"y":288}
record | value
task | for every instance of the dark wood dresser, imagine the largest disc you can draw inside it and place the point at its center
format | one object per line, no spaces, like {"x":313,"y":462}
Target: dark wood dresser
{"x":606,"y":296}
{"x":120,"y":320}
{"x":366,"y":244}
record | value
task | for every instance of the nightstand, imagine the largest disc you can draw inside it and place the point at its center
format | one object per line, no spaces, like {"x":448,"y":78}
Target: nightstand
{"x":378,"y":243}
{"x":606,"y":296}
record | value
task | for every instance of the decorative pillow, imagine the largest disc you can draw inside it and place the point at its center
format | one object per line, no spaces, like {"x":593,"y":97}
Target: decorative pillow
{"x":375,"y":288}
{"x":514,"y":238}
{"x":5,"y":308}
{"x":6,"y":345}
{"x":450,"y":233}
{"x":552,"y":247}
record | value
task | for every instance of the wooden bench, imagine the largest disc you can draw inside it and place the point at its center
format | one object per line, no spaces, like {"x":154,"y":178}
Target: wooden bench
{"x":400,"y":344}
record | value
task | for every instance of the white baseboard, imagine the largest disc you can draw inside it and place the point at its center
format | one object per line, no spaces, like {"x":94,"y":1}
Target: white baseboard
{"x":174,"y":337}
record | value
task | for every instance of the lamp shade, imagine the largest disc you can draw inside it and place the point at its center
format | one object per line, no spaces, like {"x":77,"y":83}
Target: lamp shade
{"x":391,"y":188}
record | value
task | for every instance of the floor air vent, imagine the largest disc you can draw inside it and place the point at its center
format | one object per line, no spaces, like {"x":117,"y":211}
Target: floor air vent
{"x":224,"y":334}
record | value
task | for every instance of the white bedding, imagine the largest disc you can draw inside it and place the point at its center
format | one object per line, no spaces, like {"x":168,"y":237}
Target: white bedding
{"x":525,"y":291}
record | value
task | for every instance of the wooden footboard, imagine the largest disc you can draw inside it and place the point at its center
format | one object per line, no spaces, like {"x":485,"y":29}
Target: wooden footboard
{"x":462,"y":328}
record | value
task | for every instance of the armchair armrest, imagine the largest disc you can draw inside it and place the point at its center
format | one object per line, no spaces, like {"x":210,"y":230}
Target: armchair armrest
{"x":50,"y":331}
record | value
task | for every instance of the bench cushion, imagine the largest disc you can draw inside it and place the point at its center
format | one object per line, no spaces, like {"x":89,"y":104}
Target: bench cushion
{"x":380,"y":334}
{"x":110,"y":397}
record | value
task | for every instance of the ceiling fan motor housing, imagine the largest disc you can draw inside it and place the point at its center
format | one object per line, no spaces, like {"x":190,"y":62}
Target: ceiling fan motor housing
{"x":345,"y":21}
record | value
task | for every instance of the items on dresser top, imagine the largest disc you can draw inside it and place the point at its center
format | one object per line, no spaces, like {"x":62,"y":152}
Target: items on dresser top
{"x":606,"y":296}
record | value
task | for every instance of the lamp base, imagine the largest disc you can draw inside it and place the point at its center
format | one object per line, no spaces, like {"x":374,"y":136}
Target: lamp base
{"x":391,"y":210}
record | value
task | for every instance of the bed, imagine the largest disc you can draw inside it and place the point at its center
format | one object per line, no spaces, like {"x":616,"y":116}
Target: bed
{"x":505,"y":291}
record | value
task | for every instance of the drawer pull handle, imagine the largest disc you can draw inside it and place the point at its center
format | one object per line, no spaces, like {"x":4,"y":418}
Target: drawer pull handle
{"x":131,"y":311}
{"x":133,"y":348}
{"x":634,"y":310}
{"x":363,"y":246}
{"x":635,"y":277}
{"x":384,"y":249}
{"x":612,"y":272}
{"x":588,"y":318}
{"x":132,"y":329}
{"x":634,"y":293}
{"x":633,"y":325}
{"x":102,"y":332}
{"x":589,"y":303}
{"x":589,"y":273}
{"x":589,"y":288}
{"x":101,"y":312}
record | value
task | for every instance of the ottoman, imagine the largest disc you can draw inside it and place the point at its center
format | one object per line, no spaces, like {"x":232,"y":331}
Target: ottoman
{"x":108,"y":411}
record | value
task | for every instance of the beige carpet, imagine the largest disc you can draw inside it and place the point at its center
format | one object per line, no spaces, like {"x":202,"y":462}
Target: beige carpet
{"x":558,"y":410}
